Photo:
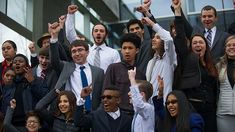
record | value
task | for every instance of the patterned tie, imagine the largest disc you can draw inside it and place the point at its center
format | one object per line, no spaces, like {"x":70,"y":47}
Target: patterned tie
{"x":85,"y":84}
{"x":97,"y":57}
{"x":43,"y":74}
{"x":209,"y":37}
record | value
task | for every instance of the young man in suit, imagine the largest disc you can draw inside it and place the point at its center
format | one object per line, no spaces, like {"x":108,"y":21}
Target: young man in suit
{"x":77,"y":74}
{"x":100,"y":54}
{"x":215,"y":36}
{"x":107,"y":118}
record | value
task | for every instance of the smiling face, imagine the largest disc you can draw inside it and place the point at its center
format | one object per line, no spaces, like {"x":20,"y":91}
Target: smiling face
{"x":172,"y":105}
{"x":63,"y":105}
{"x":19,"y":64}
{"x":156,"y":42}
{"x":8,"y":77}
{"x":8,"y":51}
{"x":230,"y":48}
{"x":46,"y":42}
{"x":43,"y":62}
{"x":208,"y":18}
{"x":99,"y":34}
{"x":79,"y":54}
{"x":33,"y":124}
{"x":110,"y":100}
{"x":198,"y":46}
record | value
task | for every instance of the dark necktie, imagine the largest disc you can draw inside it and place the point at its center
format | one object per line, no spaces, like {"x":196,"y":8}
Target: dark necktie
{"x":85,"y":84}
{"x":43,"y":74}
{"x":209,"y":37}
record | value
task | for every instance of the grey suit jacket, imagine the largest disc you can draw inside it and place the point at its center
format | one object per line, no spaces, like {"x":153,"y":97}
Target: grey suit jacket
{"x":67,"y":68}
{"x":217,"y":49}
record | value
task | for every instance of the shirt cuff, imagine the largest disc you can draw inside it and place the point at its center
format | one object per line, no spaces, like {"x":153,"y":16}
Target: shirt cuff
{"x":53,"y":40}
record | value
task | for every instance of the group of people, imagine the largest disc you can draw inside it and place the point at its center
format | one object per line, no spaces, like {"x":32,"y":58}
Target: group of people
{"x":179,"y":80}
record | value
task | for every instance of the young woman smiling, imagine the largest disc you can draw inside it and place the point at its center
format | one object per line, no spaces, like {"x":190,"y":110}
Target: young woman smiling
{"x":179,"y":115}
{"x":63,"y":119}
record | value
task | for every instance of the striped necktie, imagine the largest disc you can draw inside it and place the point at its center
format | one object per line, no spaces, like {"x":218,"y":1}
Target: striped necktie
{"x":209,"y":37}
{"x":97,"y":57}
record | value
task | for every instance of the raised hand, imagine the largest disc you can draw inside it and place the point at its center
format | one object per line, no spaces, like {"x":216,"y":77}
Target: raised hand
{"x":144,"y":8}
{"x":147,"y":21}
{"x":176,"y":4}
{"x":72,"y":9}
{"x":32,"y":48}
{"x":62,"y":21}
{"x":131,"y":75}
{"x":28,"y":74}
{"x":86,"y":91}
{"x":54,"y":29}
{"x":13,"y":103}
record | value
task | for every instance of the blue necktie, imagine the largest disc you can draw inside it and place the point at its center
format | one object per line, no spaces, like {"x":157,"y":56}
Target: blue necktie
{"x":85,"y":84}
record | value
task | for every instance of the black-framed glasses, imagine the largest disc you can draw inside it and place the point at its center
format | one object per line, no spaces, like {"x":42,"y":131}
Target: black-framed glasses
{"x":108,"y":96}
{"x":171,"y":102}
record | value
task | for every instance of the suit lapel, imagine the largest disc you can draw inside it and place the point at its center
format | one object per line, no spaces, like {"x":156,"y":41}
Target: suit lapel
{"x":65,"y":74}
{"x":216,"y":38}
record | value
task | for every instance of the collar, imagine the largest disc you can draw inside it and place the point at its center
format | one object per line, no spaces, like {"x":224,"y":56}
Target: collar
{"x":85,"y":64}
{"x":115,"y":114}
{"x":102,"y":46}
{"x":127,"y":65}
{"x":4,"y":64}
{"x":212,"y":29}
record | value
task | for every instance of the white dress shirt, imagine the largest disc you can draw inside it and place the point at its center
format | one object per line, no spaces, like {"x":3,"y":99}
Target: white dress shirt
{"x":107,"y":54}
{"x":74,"y":83}
{"x":213,"y":31}
{"x":39,"y":71}
{"x":115,"y":114}
{"x":144,"y":119}
{"x":163,"y":67}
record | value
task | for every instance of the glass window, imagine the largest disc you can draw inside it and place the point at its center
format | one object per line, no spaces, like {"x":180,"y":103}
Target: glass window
{"x":21,"y":42}
{"x":91,"y":26}
{"x":19,"y":11}
{"x":3,"y":6}
{"x":79,"y":22}
{"x":159,"y":8}
{"x":197,"y":5}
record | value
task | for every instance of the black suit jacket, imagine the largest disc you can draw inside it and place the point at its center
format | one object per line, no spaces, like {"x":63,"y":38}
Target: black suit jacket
{"x":98,"y":121}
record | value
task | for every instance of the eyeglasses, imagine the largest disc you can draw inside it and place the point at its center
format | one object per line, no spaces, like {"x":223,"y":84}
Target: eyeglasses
{"x":171,"y":102}
{"x":79,"y":50}
{"x":108,"y":96}
{"x":31,"y":121}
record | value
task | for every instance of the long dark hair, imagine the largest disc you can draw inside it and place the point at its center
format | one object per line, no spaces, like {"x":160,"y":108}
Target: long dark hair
{"x":207,"y":57}
{"x":181,"y":121}
{"x":72,"y":103}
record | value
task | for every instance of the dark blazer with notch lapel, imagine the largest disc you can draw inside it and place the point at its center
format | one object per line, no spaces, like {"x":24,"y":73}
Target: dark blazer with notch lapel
{"x":98,"y":121}
{"x":218,"y":46}
{"x":67,"y":68}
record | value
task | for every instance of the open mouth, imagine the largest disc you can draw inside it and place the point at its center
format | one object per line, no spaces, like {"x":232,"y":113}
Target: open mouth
{"x":17,"y":68}
{"x":172,"y":111}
